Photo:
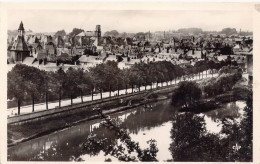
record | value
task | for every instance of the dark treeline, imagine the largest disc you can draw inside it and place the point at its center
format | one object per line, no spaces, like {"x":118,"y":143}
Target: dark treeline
{"x":189,"y":93}
{"x":198,"y":145}
{"x":28,"y":84}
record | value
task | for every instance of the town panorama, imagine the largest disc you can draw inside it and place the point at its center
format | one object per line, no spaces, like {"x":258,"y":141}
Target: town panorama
{"x":91,"y":95}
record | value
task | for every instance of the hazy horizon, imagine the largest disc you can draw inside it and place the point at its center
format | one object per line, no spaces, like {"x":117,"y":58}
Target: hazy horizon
{"x":130,"y":21}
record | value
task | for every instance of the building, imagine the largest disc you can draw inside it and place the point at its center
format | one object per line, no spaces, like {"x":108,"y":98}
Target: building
{"x":19,"y":50}
{"x":98,"y":31}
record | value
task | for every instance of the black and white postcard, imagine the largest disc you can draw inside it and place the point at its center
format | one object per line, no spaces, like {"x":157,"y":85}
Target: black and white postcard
{"x":129,"y":82}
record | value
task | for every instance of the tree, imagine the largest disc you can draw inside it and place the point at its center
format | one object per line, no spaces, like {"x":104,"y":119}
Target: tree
{"x":199,"y":145}
{"x":26,"y":85}
{"x":240,"y":134}
{"x":185,"y":142}
{"x":224,"y":82}
{"x":24,"y":81}
{"x":187,"y":94}
{"x":229,"y":31}
{"x":60,"y":33}
{"x":195,"y":31}
{"x":201,"y":65}
{"x":192,"y":143}
{"x":88,"y":52}
{"x":106,"y":76}
{"x":140,"y":36}
{"x":93,"y":144}
{"x":75,"y":31}
{"x":113,"y":33}
{"x":119,"y":58}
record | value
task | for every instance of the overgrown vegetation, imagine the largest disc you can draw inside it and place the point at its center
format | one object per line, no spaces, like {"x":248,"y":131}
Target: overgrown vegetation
{"x":192,"y":142}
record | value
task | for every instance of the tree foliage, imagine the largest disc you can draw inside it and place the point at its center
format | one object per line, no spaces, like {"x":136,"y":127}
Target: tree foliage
{"x":60,"y":33}
{"x":123,"y":150}
{"x":221,"y":84}
{"x":75,"y":31}
{"x":195,"y":31}
{"x":229,"y":31}
{"x":192,"y":143}
{"x":113,"y":33}
{"x":187,"y":94}
{"x":25,"y":81}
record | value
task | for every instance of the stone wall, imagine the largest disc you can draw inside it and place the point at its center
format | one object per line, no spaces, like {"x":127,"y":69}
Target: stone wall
{"x":71,"y":109}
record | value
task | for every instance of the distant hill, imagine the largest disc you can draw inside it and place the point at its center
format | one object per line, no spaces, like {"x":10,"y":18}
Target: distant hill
{"x":190,"y":30}
{"x":12,"y":32}
{"x":15,"y":32}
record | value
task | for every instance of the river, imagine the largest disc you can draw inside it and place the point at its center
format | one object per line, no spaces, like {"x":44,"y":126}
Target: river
{"x":142,"y":124}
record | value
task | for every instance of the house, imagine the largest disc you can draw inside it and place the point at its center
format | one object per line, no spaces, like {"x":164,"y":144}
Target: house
{"x":90,"y":61}
{"x":50,"y":48}
{"x":19,"y":50}
{"x":194,"y":54}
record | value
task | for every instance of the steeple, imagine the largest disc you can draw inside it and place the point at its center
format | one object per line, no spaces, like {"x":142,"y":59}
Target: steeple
{"x":21,"y":29}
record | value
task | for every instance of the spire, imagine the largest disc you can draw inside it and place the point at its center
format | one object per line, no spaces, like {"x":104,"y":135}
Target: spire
{"x":21,"y":26}
{"x":21,"y":29}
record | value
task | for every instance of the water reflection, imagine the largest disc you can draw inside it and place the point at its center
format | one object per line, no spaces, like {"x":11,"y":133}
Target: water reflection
{"x":232,"y":110}
{"x":142,"y":123}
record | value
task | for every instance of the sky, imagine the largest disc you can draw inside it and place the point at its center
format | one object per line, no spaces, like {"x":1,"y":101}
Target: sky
{"x":130,"y":21}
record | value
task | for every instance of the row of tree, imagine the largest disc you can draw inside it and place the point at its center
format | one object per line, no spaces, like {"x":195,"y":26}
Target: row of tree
{"x":189,"y":93}
{"x":29,"y":84}
{"x":221,"y":84}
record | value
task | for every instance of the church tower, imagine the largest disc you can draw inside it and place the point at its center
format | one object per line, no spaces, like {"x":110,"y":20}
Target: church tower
{"x":19,"y":49}
{"x":98,"y":31}
{"x":21,"y":29}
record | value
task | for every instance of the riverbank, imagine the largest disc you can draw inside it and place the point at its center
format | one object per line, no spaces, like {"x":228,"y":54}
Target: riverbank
{"x":143,"y":124}
{"x":22,"y":133}
{"x":238,"y":93}
{"x":31,"y":130}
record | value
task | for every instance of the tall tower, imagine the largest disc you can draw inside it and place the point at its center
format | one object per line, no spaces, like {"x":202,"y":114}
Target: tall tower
{"x":21,"y":29}
{"x":20,"y":50}
{"x":98,"y":31}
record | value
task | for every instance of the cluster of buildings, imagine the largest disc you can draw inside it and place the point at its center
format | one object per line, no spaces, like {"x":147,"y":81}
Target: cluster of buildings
{"x":89,"y":48}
